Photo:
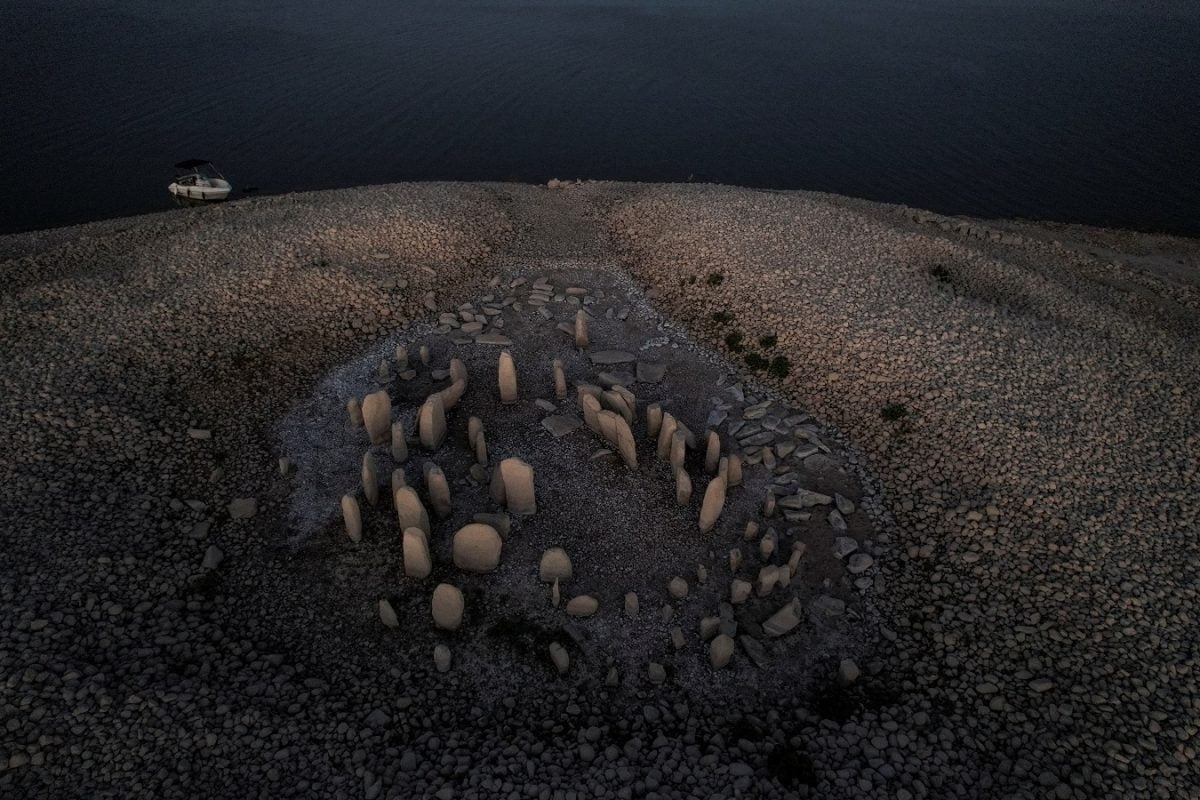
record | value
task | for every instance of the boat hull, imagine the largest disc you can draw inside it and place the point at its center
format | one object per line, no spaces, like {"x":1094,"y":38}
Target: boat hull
{"x":214,"y":193}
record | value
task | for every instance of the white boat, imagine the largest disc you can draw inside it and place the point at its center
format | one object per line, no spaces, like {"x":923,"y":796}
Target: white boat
{"x":199,"y":180}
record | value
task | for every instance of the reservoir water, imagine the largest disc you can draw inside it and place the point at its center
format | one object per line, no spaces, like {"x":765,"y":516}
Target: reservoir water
{"x":1075,"y":110}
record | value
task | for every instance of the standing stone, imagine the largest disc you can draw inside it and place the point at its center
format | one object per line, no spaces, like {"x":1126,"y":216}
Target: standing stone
{"x":370,"y":478}
{"x":441,"y":658}
{"x":474,"y":430}
{"x":383,"y":372}
{"x":683,"y":487}
{"x":555,"y":566}
{"x":387,"y":614}
{"x":714,"y":502}
{"x":507,"y":378}
{"x":581,"y":329}
{"x":560,"y":380}
{"x":410,"y":511}
{"x":352,"y":516}
{"x":424,"y":354}
{"x":666,"y":432}
{"x":354,"y":410}
{"x":631,"y":604}
{"x":377,"y":416}
{"x":398,"y":481}
{"x":739,"y":591}
{"x":769,"y":504}
{"x":678,"y":588}
{"x":401,"y":357}
{"x":768,"y":578}
{"x":734,"y":477}
{"x":481,"y":450}
{"x":678,"y":449}
{"x":431,"y":422}
{"x":476,"y":548}
{"x":735,"y":559}
{"x":516,"y":478}
{"x":417,"y":561}
{"x":285,"y":466}
{"x":399,"y":444}
{"x":458,"y":371}
{"x":622,"y":438}
{"x":654,"y":417}
{"x":848,"y":672}
{"x":447,"y":607}
{"x":591,"y":412}
{"x":438,"y":489}
{"x":720,"y":651}
{"x":712,"y":453}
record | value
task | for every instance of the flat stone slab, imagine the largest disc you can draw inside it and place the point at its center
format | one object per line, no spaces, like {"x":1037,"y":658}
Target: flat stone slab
{"x":493,"y":338}
{"x":560,"y":425}
{"x":611,"y":357}
{"x":651,"y":371}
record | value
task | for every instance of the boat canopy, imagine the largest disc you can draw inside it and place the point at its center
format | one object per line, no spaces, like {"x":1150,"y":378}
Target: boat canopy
{"x":192,"y":163}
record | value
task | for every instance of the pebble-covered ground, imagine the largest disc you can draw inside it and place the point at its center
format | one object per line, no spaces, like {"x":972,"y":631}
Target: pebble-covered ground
{"x":1015,"y":402}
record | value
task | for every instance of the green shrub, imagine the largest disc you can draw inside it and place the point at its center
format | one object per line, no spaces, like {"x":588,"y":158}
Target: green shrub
{"x":756,"y":362}
{"x":715,"y":278}
{"x":894,"y":412}
{"x":722,"y":317}
{"x":779,"y":367}
{"x":734,"y":341}
{"x":768,"y":341}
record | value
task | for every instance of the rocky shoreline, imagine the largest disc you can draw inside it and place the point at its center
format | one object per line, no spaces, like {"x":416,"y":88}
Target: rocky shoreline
{"x":1017,"y":402}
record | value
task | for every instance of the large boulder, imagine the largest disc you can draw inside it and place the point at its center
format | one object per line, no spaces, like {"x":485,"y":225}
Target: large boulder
{"x":476,"y":548}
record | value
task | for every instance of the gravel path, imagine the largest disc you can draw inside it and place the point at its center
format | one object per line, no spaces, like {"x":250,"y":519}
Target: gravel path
{"x":1017,"y":402}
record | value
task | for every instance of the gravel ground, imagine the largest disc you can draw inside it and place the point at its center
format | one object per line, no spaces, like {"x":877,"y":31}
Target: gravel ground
{"x":1011,"y":406}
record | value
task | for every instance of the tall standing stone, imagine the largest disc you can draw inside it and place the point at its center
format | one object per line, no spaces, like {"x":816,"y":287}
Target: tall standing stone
{"x":370,"y":478}
{"x":654,"y":418}
{"x":581,"y":329}
{"x":398,"y":481}
{"x":712,"y":453}
{"x":458,"y":371}
{"x":399,"y":444}
{"x":447,"y":607}
{"x":683,"y":487}
{"x":714,"y":502}
{"x":352,"y":516}
{"x":438,"y":488}
{"x":734,"y":477}
{"x":507,"y":378}
{"x":560,"y":380}
{"x":665,"y":433}
{"x":678,"y":449}
{"x":591,"y":412}
{"x":410,"y":511}
{"x":423,"y":352}
{"x":417,"y":561}
{"x":354,"y":411}
{"x":517,"y":479}
{"x":431,"y":422}
{"x":377,"y":416}
{"x":401,"y":357}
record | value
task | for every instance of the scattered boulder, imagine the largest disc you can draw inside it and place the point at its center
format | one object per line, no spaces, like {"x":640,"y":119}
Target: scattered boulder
{"x":213,"y":557}
{"x":678,"y":588}
{"x":560,"y":658}
{"x":387,"y":614}
{"x":783,"y":620}
{"x":242,"y":508}
{"x":739,"y":591}
{"x":476,"y":548}
{"x":847,"y":673}
{"x":720,"y":651}
{"x":583,"y":605}
{"x":631,"y":604}
{"x":441,"y":658}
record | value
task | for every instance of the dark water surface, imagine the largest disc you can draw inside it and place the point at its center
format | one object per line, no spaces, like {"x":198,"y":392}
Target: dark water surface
{"x":1081,"y":110}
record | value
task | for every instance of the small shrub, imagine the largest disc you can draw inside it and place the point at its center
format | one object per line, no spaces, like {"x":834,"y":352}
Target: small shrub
{"x":734,"y":341}
{"x":715,"y":278}
{"x":768,"y":341}
{"x":756,"y":362}
{"x":894,"y":412}
{"x":779,"y":367}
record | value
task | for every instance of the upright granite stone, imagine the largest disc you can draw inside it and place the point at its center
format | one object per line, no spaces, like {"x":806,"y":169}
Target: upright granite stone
{"x":458,"y":371}
{"x":398,"y":481}
{"x":370,"y":478}
{"x":581,"y":329}
{"x":354,"y":411}
{"x":352,"y":516}
{"x":654,"y":418}
{"x":431,"y":422}
{"x":377,"y":416}
{"x":399,"y":444}
{"x":666,"y":432}
{"x":560,"y":380}
{"x":713,"y":504}
{"x":438,"y":488}
{"x":507,"y":378}
{"x":712,"y":453}
{"x":678,"y":449}
{"x":417,"y":561}
{"x":410,"y":511}
{"x":447,"y":607}
{"x":591,"y":412}
{"x":387,"y":614}
{"x":683,"y":487}
{"x":517,"y":479}
{"x":476,"y":548}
